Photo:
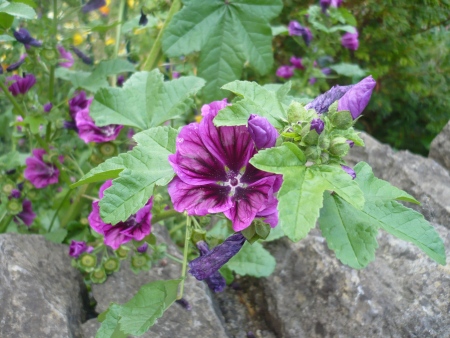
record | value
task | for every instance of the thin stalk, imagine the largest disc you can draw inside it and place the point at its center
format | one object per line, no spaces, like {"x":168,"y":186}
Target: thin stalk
{"x":76,"y":206}
{"x":11,"y":99}
{"x":57,"y":210}
{"x":118,"y":34}
{"x":174,"y":258}
{"x":5,"y":222}
{"x":164,"y":215}
{"x":51,"y":85}
{"x":187,"y":237}
{"x":152,"y":57}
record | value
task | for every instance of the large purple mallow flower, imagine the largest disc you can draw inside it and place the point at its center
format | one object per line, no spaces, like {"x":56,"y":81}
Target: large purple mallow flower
{"x":20,"y":85}
{"x":214,"y":174}
{"x":215,"y":281}
{"x":77,"y":248}
{"x":23,"y":36}
{"x":66,"y":57}
{"x":350,"y":40}
{"x":136,"y":227}
{"x":285,"y":72}
{"x":39,"y":172}
{"x":27,"y":215}
{"x":208,"y":264}
{"x":262,"y":132}
{"x":353,"y":98}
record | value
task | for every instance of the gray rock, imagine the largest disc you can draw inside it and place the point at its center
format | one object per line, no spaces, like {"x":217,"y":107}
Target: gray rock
{"x":423,"y":178}
{"x":40,"y":293}
{"x":201,"y":321}
{"x":402,"y":293}
{"x":440,"y":147}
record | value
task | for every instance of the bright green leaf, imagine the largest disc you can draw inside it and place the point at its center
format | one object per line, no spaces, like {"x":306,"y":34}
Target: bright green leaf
{"x":110,"y":323}
{"x":348,"y":69}
{"x":107,"y":170}
{"x":6,"y":21}
{"x":5,"y":38}
{"x":252,"y":260}
{"x":35,"y":122}
{"x":56,"y":236}
{"x":17,"y":9}
{"x":145,"y":100}
{"x":279,"y":159}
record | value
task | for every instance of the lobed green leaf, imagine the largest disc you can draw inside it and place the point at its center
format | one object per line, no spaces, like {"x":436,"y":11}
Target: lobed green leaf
{"x":252,"y":260}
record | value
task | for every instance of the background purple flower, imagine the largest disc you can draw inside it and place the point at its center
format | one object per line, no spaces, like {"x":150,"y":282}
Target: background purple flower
{"x":20,"y":85}
{"x":39,"y":172}
{"x":92,"y":5}
{"x":23,"y":36}
{"x":79,"y":102}
{"x":297,"y":62}
{"x":285,"y":72}
{"x":214,"y":174}
{"x":136,"y":227}
{"x":86,"y":59}
{"x":27,"y":215}
{"x":76,"y":248}
{"x":295,"y":28}
{"x":89,"y":132}
{"x":47,"y":107}
{"x":350,"y":41}
{"x":262,"y":132}
{"x":66,"y":57}
{"x":17,"y":64}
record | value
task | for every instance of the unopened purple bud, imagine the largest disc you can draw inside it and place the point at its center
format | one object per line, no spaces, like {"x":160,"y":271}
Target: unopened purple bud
{"x":322,"y":102}
{"x":120,"y":80}
{"x":86,"y":59}
{"x":76,"y":248}
{"x":1,"y":70}
{"x":143,"y":248}
{"x":326,"y":71}
{"x":357,"y":96}
{"x":350,"y":41}
{"x":70,"y":125}
{"x":295,"y":28}
{"x":311,"y":81}
{"x":318,"y":125}
{"x":47,"y":107}
{"x":204,"y":266}
{"x":143,"y":20}
{"x":325,"y":4}
{"x":307,"y":36}
{"x":27,"y":215}
{"x":184,"y":304}
{"x":285,"y":72}
{"x":215,"y":281}
{"x":262,"y":132}
{"x":349,"y":171}
{"x":93,"y":5}
{"x":297,"y":62}
{"x":176,"y":75}
{"x":17,"y":64}
{"x":23,"y":36}
{"x":15,"y":193}
{"x":350,"y":143}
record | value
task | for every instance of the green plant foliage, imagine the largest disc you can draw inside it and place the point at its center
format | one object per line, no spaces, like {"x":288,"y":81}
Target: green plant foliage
{"x":252,"y":260}
{"x":351,"y":233}
{"x":145,"y":100}
{"x":17,"y":9}
{"x":228,"y":35}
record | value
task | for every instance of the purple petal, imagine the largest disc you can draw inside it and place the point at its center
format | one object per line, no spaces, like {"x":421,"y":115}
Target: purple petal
{"x":89,"y":132}
{"x":350,"y":41}
{"x":23,"y":36}
{"x":66,"y":57}
{"x":17,"y":64}
{"x":297,"y":62}
{"x":86,"y":59}
{"x":285,"y":72}
{"x":214,"y":107}
{"x":47,"y":107}
{"x":262,"y":132}
{"x":26,"y":215}
{"x":270,"y":213}
{"x":322,"y":102}
{"x":39,"y":172}
{"x":318,"y":125}
{"x":215,"y":282}
{"x":76,"y":248}
{"x":349,"y":171}
{"x":357,"y":97}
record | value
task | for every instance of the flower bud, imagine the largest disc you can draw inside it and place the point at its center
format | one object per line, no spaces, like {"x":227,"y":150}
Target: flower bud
{"x":324,"y":157}
{"x":357,"y":97}
{"x":14,"y":206}
{"x":339,"y":147}
{"x":318,"y":125}
{"x":122,"y":252}
{"x":198,"y":235}
{"x":140,"y":263}
{"x":98,"y":276}
{"x":142,"y":248}
{"x":263,"y":134}
{"x":107,"y":149}
{"x":87,"y":262}
{"x":7,"y":188}
{"x":324,"y":142}
{"x":295,"y":112}
{"x":311,"y":138}
{"x":111,"y":265}
{"x":312,"y":153}
{"x":349,"y":171}
{"x":342,"y":119}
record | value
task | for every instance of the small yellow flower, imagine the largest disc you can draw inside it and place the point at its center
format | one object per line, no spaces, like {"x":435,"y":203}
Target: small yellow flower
{"x":131,"y":3}
{"x":109,"y":41}
{"x":198,"y":118}
{"x":77,"y":39}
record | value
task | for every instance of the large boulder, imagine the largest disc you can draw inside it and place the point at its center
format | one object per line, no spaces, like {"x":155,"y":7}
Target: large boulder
{"x":440,"y":147}
{"x":41,"y":294}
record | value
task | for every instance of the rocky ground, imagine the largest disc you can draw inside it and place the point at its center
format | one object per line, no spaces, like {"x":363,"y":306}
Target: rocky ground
{"x":311,"y":294}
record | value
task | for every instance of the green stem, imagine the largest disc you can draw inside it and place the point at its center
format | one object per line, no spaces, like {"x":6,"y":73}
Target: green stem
{"x":57,"y":210}
{"x":118,"y":34}
{"x":11,"y":98}
{"x":174,"y":258}
{"x":5,"y":222}
{"x":51,"y":85}
{"x":152,"y":58}
{"x":187,"y":237}
{"x":76,"y":206}
{"x":164,"y":215}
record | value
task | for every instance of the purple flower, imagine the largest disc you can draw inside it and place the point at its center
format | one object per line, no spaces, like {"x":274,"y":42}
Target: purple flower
{"x":214,"y":107}
{"x":27,"y":215}
{"x":214,"y":174}
{"x":312,"y":80}
{"x":39,"y":172}
{"x":48,"y":106}
{"x":209,"y":263}
{"x":184,"y":304}
{"x":350,"y":143}
{"x":23,"y":36}
{"x":317,"y":125}
{"x":297,"y":62}
{"x":325,"y":4}
{"x":15,"y":193}
{"x":285,"y":72}
{"x":326,"y":71}
{"x":76,"y":248}
{"x":349,"y":171}
{"x":120,"y":80}
{"x":136,"y":227}
{"x":215,"y":281}
{"x":143,"y":20}
{"x":79,"y":102}
{"x":21,"y":85}
{"x":86,"y":59}
{"x":350,"y":40}
{"x":262,"y":132}
{"x":296,"y":29}
{"x":307,"y":36}
{"x":89,"y":132}
{"x":336,"y":3}
{"x":92,"y":5}
{"x":143,"y":248}
{"x":176,"y":75}
{"x":17,"y":64}
{"x":357,"y":96}
{"x":70,"y":125}
{"x":66,"y":57}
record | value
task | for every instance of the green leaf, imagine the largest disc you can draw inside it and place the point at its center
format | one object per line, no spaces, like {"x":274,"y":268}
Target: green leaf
{"x":107,"y":170}
{"x":279,"y":159}
{"x":145,"y":100}
{"x":145,"y":166}
{"x":348,"y":69}
{"x":348,"y":232}
{"x":256,"y":99}
{"x":349,"y":18}
{"x":5,"y":38}
{"x":345,"y":28}
{"x":110,"y":323}
{"x":211,"y":27}
{"x":17,"y":9}
{"x":149,"y":303}
{"x":6,"y":21}
{"x":275,"y":234}
{"x":35,"y":122}
{"x":252,"y":260}
{"x":56,"y":236}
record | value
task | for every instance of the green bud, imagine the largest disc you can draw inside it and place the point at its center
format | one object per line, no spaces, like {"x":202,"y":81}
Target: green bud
{"x":295,"y":112}
{"x":205,"y":220}
{"x":324,"y":141}
{"x":95,"y":159}
{"x":311,"y":138}
{"x":14,"y":206}
{"x":111,"y":265}
{"x":342,"y":119}
{"x":157,"y":198}
{"x":140,"y":263}
{"x":98,"y":276}
{"x":122,"y":252}
{"x":107,"y":149}
{"x":249,"y":232}
{"x":32,"y":194}
{"x":7,"y":188}
{"x":332,"y":108}
{"x":339,"y":147}
{"x":49,"y":54}
{"x":84,"y":221}
{"x":262,"y":228}
{"x":87,"y":262}
{"x":324,"y":157}
{"x":312,"y":153}
{"x":198,"y":235}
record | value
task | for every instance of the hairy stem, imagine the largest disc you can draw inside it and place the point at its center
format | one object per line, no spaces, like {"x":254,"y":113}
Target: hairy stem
{"x":185,"y":254}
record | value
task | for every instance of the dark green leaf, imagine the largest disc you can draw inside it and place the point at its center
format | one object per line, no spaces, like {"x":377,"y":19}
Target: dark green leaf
{"x":252,"y":260}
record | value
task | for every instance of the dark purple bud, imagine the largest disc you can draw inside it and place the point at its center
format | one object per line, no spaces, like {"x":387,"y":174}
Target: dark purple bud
{"x":184,"y":304}
{"x":15,"y":193}
{"x":47,"y":107}
{"x":325,"y":4}
{"x":307,"y":36}
{"x":322,"y":102}
{"x":285,"y":72}
{"x":357,"y":96}
{"x":86,"y":59}
{"x":215,"y":281}
{"x":350,"y":41}
{"x":250,"y":334}
{"x":79,"y":102}
{"x":297,"y":62}
{"x":204,"y":266}
{"x":143,"y":248}
{"x":295,"y":28}
{"x":70,"y":125}
{"x":262,"y":132}
{"x":318,"y":125}
{"x":93,"y":5}
{"x":23,"y":36}
{"x":312,"y":80}
{"x":350,"y":143}
{"x":1,"y":70}
{"x":17,"y":64}
{"x":326,"y":71}
{"x":21,"y":85}
{"x":143,"y":21}
{"x":27,"y":215}
{"x":349,"y":171}
{"x":76,"y":248}
{"x":120,"y":80}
